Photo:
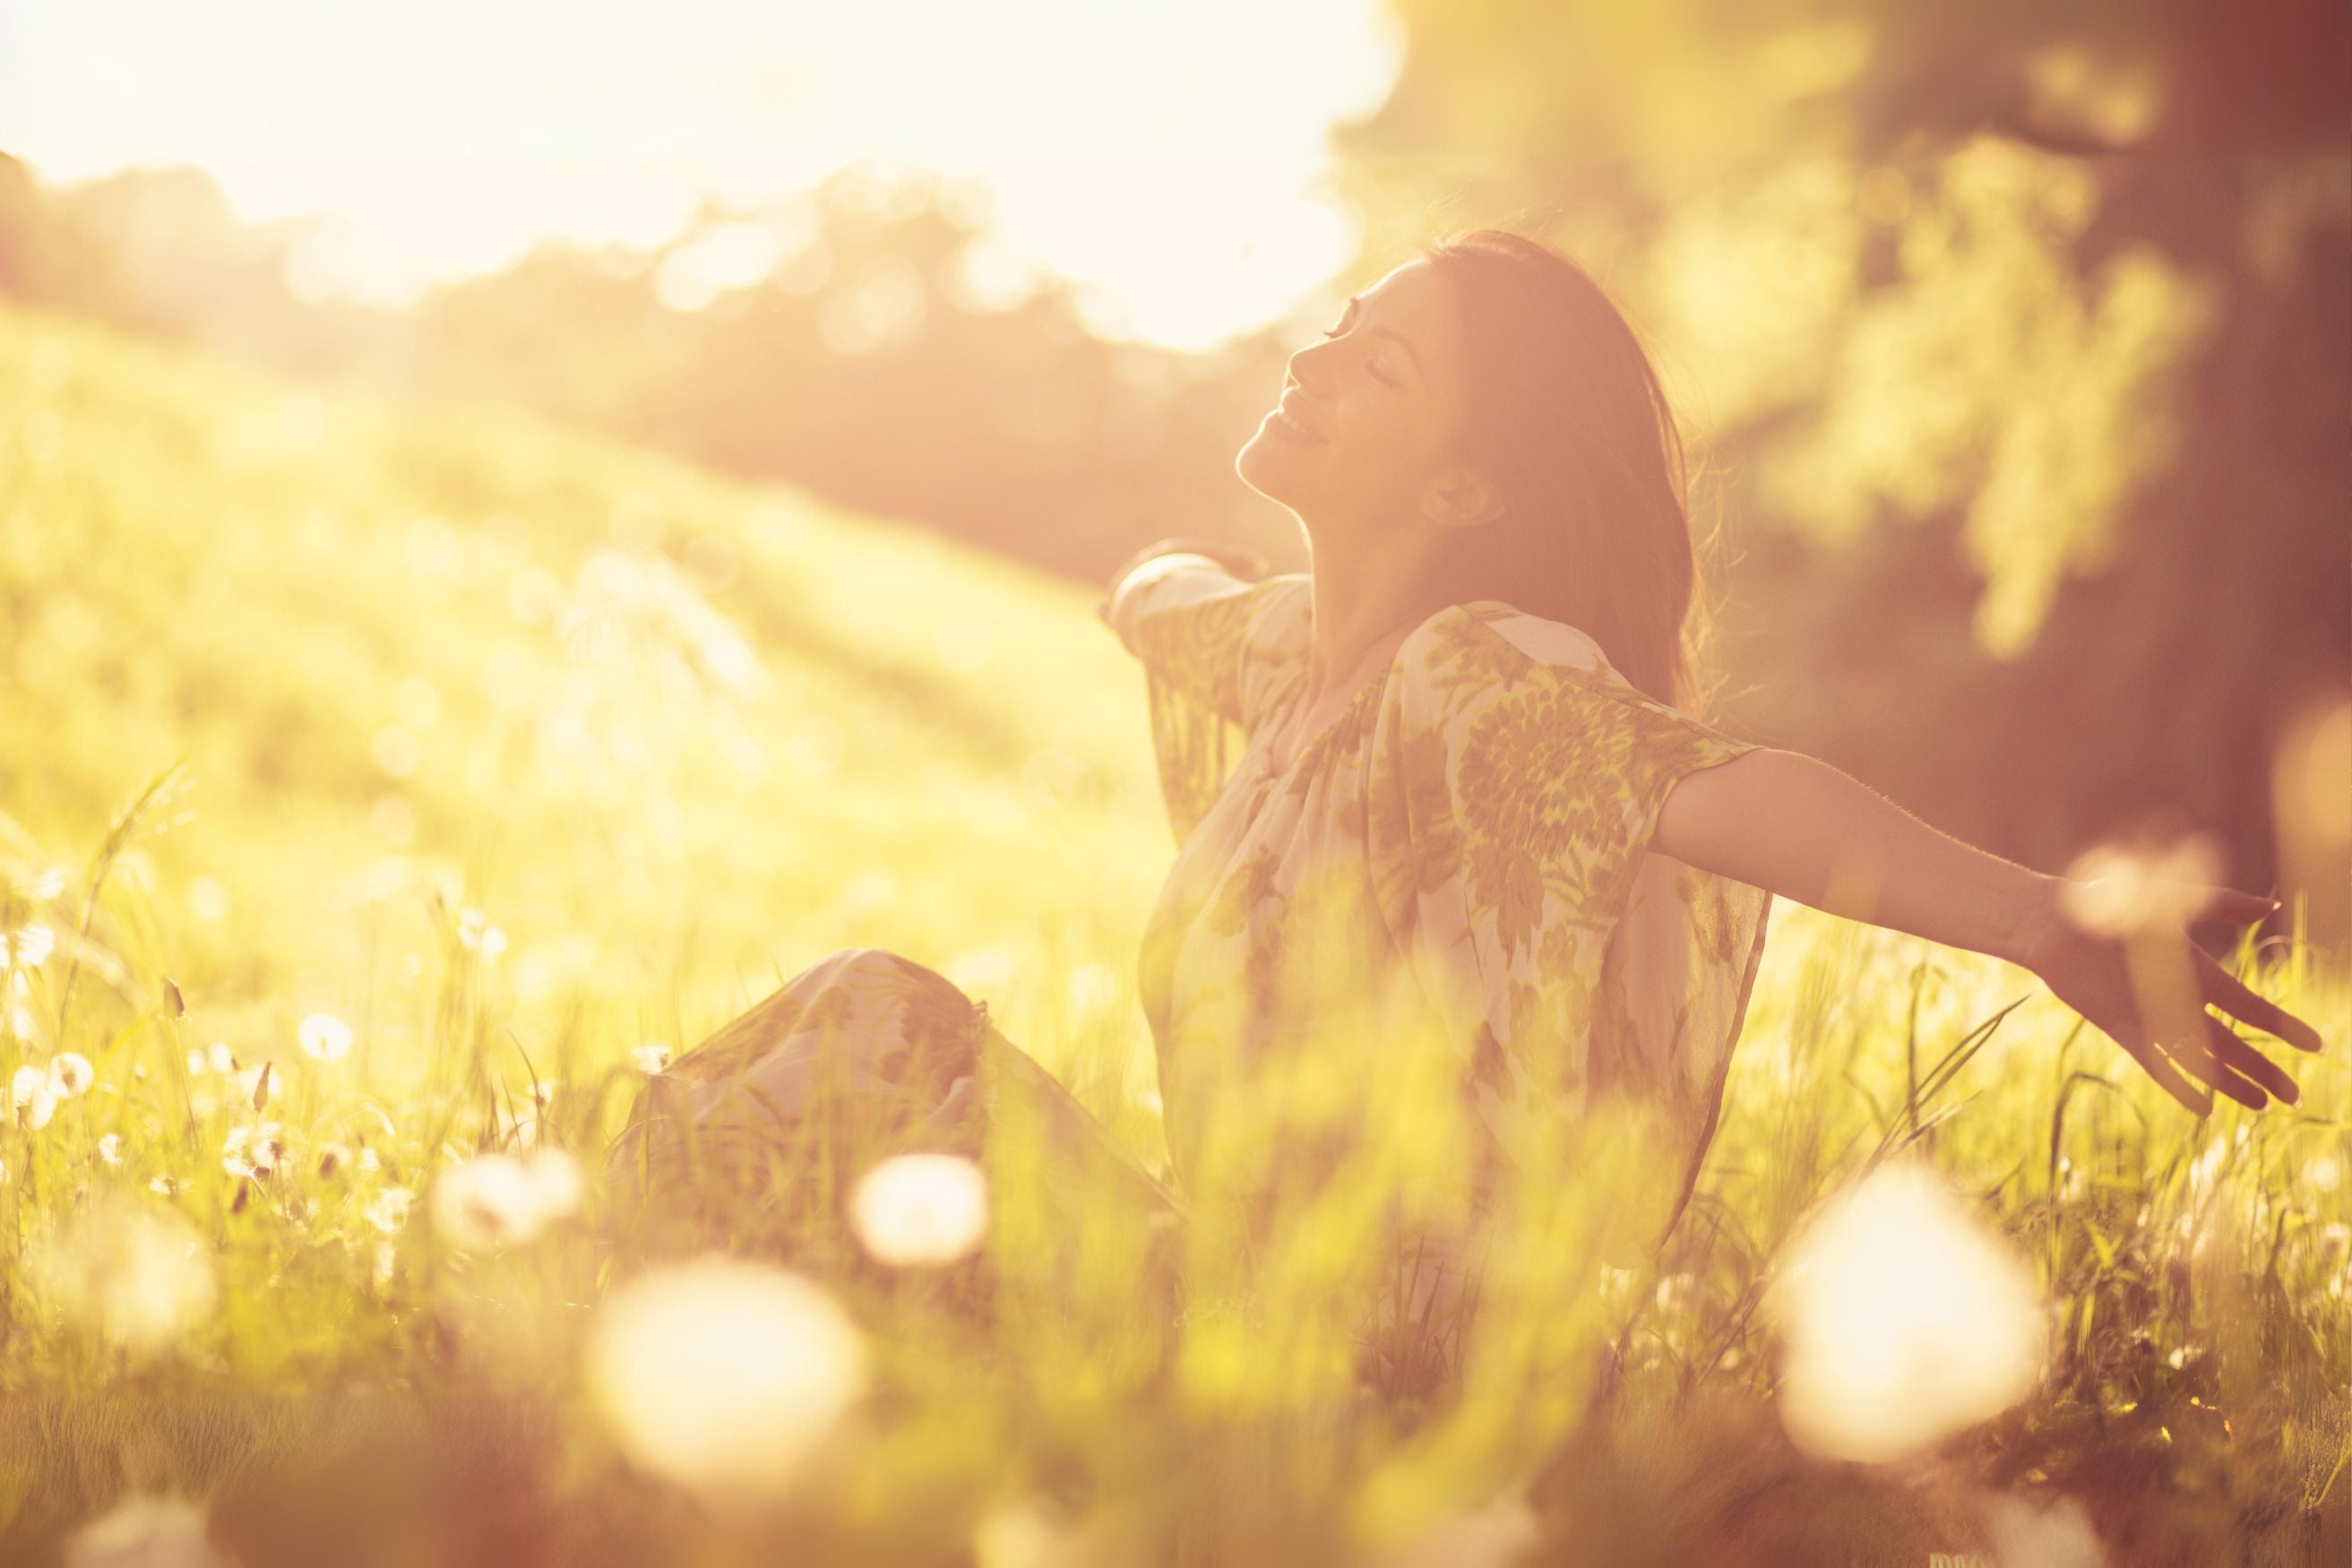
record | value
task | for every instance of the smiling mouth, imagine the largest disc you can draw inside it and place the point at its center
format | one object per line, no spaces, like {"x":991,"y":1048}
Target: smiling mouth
{"x":1293,"y":427}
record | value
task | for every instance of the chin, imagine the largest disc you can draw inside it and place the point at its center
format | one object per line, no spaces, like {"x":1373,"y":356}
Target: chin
{"x":1259,"y":463}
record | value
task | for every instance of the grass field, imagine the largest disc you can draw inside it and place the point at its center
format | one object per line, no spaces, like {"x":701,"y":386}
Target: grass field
{"x":386,"y":789}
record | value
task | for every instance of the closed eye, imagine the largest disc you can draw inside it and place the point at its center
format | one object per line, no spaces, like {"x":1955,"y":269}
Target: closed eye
{"x":1340,"y":330}
{"x":1376,"y":368}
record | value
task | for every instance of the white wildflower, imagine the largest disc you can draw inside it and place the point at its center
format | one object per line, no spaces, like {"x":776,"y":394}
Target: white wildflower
{"x":27,"y":947}
{"x":70,"y":1074}
{"x":920,"y":1209}
{"x":389,"y":1211}
{"x":722,"y":1374}
{"x":324,"y":1037}
{"x":497,"y":1200}
{"x":475,"y":932}
{"x":254,"y":1149}
{"x":134,"y":1273}
{"x":1904,"y":1320}
{"x":34,"y":1096}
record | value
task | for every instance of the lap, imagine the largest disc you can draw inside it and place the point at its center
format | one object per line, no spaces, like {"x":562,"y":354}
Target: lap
{"x":752,"y":1140}
{"x":755,"y":1134}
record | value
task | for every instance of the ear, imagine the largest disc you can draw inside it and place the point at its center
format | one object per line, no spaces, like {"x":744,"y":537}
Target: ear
{"x":1461,"y":497}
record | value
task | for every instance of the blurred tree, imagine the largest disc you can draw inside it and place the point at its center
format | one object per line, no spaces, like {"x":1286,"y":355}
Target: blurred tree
{"x":834,"y":341}
{"x":45,"y":258}
{"x":2017,"y":336}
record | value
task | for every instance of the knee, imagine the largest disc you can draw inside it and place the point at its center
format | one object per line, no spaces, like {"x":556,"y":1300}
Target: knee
{"x":881,"y":970}
{"x":864,"y":963}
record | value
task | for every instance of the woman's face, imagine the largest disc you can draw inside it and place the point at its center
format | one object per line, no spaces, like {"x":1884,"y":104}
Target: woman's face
{"x":1380,"y":399}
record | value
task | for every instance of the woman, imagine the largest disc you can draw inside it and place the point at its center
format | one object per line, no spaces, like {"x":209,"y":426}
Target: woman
{"x":1470,"y":784}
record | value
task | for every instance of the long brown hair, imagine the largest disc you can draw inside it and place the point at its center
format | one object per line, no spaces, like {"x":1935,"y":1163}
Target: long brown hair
{"x":1566,"y":413}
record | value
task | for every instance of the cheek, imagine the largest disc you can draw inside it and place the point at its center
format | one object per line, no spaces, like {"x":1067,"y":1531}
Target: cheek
{"x":1393,"y":441}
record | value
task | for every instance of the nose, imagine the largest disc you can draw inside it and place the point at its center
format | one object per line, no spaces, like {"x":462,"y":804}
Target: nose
{"x":1306,"y":366}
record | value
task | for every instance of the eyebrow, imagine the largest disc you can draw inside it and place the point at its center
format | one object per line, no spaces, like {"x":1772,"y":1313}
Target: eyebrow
{"x":1355,"y":301}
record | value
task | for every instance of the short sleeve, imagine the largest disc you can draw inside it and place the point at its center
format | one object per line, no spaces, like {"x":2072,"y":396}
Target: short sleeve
{"x":1212,"y":646}
{"x":1518,"y":780}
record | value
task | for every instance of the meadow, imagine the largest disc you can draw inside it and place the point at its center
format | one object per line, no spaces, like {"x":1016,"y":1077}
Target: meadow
{"x":385,"y":791}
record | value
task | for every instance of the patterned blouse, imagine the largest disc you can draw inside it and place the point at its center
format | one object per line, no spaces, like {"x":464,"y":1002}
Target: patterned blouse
{"x":1474,"y":820}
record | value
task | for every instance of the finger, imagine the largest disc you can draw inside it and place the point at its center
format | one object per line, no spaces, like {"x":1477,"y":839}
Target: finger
{"x":2166,"y":1077}
{"x":2245,"y":1085}
{"x":2242,"y":1059}
{"x":2229,"y":904}
{"x":2230,"y":994}
{"x":2195,"y":1057}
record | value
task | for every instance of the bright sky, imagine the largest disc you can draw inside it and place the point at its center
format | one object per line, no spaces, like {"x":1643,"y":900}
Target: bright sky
{"x":1166,"y":154}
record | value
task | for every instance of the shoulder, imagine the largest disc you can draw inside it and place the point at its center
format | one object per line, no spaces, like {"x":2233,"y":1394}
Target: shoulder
{"x":1467,"y":653}
{"x":1281,"y":606}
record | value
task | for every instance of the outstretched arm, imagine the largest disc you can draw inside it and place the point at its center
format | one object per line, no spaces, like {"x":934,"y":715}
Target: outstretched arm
{"x":1238,"y":558}
{"x":1800,"y":828}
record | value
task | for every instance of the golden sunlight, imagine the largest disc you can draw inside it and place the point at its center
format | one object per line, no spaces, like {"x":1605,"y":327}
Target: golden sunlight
{"x":1079,"y":127}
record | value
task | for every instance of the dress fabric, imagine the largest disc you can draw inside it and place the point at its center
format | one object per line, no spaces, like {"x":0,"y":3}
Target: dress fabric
{"x":1475,"y":825}
{"x":1483,"y":808}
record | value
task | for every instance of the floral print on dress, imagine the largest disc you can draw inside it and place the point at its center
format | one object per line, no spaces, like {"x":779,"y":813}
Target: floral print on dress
{"x":1480,"y":814}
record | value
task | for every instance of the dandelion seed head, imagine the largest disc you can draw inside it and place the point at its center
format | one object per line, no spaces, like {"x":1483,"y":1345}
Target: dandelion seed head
{"x":722,"y":1374}
{"x":27,"y":947}
{"x":110,"y":1148}
{"x":254,"y":1149}
{"x":488,"y":1201}
{"x":136,"y":1274}
{"x":913,"y":1210}
{"x":475,"y":930}
{"x":389,"y":1211}
{"x":1903,"y":1320}
{"x":70,"y":1074}
{"x":33,"y":1093}
{"x":650,"y":1057}
{"x":324,"y":1037}
{"x":497,"y":1200}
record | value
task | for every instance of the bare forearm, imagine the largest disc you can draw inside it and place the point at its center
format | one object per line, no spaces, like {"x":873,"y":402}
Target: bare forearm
{"x":1800,"y":828}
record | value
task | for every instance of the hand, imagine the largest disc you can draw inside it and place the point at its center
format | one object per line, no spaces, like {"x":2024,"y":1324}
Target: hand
{"x":2144,"y":985}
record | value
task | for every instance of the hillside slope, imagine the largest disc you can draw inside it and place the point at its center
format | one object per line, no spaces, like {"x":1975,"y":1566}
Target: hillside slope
{"x":674,"y":735}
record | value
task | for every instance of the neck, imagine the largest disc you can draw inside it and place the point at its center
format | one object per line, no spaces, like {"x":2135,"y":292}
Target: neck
{"x":1365,"y":601}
